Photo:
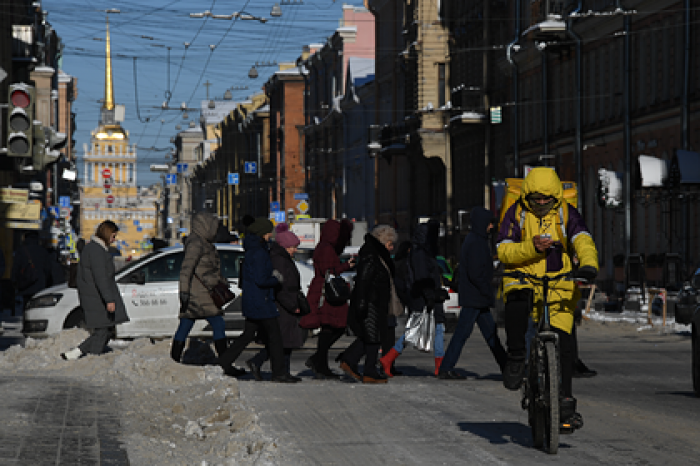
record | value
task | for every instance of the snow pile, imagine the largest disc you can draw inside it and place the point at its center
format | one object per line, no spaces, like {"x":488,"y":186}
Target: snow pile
{"x":171,"y":413}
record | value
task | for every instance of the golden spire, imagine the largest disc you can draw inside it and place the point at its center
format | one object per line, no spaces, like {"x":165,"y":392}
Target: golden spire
{"x":109,"y":87}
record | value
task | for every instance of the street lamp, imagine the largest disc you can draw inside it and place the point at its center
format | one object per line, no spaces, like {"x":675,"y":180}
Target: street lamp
{"x":276,"y":10}
{"x":253,"y":73}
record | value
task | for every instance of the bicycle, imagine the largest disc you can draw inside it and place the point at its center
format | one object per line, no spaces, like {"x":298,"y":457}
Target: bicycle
{"x":540,"y":388}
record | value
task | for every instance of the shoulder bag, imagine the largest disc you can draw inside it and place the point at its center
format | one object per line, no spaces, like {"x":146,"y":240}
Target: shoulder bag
{"x":336,"y":291}
{"x":220,"y":293}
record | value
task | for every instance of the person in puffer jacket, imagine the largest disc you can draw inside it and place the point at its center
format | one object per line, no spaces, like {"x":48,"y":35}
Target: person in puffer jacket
{"x":538,"y":235}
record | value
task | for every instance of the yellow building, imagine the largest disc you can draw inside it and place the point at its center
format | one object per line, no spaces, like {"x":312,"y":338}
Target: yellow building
{"x":109,"y":190}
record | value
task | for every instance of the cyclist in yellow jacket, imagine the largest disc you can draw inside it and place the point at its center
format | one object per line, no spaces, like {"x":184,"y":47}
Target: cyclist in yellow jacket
{"x":538,"y":235}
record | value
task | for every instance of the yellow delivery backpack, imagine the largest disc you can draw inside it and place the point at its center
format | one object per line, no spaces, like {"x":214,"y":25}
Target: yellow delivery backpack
{"x":512,"y":194}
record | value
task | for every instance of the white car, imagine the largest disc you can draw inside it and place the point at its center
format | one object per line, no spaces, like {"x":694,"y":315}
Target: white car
{"x":149,"y":288}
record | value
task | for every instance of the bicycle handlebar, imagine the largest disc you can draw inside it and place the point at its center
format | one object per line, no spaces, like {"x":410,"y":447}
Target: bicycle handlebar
{"x":522,"y":276}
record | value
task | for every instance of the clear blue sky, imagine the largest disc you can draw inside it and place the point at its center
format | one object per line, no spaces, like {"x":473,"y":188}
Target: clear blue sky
{"x":239,"y":45}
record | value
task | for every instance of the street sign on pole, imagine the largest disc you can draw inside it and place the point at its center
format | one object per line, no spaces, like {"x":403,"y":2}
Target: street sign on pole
{"x":106,"y":173}
{"x":279,"y":217}
{"x":303,"y":207}
{"x":171,"y":178}
{"x":251,"y":167}
{"x":233,"y":178}
{"x":64,"y":201}
{"x":301,"y":196}
{"x":110,"y":199}
{"x":182,"y":167}
{"x":274,"y":206}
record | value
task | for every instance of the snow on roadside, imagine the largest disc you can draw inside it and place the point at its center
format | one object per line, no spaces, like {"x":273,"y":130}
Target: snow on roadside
{"x":171,"y":413}
{"x":641,"y":318}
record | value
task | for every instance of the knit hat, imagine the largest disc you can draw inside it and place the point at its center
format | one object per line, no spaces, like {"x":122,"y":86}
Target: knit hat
{"x":284,"y":237}
{"x":261,"y":226}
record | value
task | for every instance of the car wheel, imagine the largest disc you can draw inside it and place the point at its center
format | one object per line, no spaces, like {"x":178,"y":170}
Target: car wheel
{"x":75,"y":319}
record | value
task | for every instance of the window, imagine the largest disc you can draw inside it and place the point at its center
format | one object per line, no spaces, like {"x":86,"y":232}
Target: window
{"x":164,"y":269}
{"x":441,"y":85}
{"x":230,"y":263}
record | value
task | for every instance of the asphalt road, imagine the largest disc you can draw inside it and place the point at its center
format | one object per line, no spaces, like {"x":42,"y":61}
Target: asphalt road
{"x":639,"y":410}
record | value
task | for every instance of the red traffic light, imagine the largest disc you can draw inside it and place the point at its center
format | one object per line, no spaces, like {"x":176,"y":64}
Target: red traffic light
{"x":20,"y":98}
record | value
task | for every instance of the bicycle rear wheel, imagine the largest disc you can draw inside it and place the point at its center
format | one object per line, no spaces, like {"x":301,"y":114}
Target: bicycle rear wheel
{"x":550,"y":395}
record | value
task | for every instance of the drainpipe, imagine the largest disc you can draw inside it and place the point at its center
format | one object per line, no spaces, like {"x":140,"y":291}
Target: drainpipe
{"x":578,"y":144}
{"x":627,"y":138}
{"x":514,"y":47}
{"x":685,"y":118}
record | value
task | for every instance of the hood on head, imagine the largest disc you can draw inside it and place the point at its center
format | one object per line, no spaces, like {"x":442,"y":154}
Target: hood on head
{"x":330,"y":232}
{"x":545,"y":181}
{"x":480,"y":218}
{"x":205,"y":225}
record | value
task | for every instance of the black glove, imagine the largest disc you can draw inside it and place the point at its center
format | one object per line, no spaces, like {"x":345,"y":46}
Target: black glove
{"x":587,"y":273}
{"x":184,"y":300}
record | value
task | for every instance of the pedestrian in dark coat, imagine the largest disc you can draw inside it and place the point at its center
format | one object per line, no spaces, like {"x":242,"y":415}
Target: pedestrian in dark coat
{"x":331,"y":319}
{"x":425,"y":291}
{"x":31,"y":254}
{"x":371,"y":304}
{"x":282,"y":256}
{"x":99,"y":295}
{"x":200,"y":271}
{"x":476,"y":294}
{"x":261,"y":315}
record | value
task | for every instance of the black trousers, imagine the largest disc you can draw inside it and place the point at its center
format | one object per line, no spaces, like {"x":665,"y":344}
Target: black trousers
{"x":517,"y":320}
{"x":357,"y":350}
{"x":96,"y":342}
{"x":326,"y":338}
{"x":269,"y":331}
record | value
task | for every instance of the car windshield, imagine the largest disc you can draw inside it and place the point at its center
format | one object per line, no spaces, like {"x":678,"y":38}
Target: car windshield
{"x":132,"y":265}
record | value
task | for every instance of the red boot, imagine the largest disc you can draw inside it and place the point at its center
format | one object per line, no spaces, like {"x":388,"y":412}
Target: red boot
{"x":388,"y":360}
{"x":438,"y":361}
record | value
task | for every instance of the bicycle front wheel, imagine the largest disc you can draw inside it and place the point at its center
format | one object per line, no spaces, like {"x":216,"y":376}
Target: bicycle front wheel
{"x":550,"y":387}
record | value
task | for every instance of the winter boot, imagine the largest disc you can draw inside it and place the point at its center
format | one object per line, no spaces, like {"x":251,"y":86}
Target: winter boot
{"x":176,"y":350}
{"x":221,"y":345}
{"x":438,"y":362}
{"x":569,"y":419}
{"x":514,"y":372}
{"x":387,"y":360}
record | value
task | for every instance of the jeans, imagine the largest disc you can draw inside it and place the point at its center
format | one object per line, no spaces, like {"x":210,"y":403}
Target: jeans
{"x":439,"y":350}
{"x":217,"y":324}
{"x":467,"y":318}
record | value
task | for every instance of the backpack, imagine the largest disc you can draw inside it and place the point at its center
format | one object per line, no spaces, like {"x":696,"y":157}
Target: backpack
{"x":28,"y":275}
{"x":512,"y":196}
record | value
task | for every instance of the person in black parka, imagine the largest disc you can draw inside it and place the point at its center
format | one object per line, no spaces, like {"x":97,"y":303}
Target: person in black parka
{"x":259,"y":281}
{"x":31,"y":254}
{"x":373,"y":300}
{"x":476,"y":294}
{"x":99,"y":295}
{"x":282,"y":256}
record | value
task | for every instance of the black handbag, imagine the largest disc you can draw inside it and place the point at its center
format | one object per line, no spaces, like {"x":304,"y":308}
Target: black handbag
{"x":220,"y":293}
{"x":303,"y":304}
{"x":336,"y":291}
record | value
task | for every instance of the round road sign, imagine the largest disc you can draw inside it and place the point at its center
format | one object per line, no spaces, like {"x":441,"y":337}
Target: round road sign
{"x":106,"y":173}
{"x":110,"y":199}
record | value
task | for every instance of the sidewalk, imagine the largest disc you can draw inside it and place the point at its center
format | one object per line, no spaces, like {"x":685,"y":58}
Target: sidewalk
{"x":53,"y":420}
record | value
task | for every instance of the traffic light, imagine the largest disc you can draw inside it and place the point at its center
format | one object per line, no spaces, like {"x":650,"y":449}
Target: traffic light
{"x":47,"y":141}
{"x":21,"y":120}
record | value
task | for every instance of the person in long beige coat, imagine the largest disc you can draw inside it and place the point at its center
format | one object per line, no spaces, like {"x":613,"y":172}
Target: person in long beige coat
{"x":201,"y":271}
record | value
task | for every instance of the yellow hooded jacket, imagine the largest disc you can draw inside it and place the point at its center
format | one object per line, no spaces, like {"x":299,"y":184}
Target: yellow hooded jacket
{"x":517,"y":251}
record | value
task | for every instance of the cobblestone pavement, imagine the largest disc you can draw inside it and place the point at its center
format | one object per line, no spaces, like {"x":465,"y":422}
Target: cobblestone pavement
{"x":54,"y":421}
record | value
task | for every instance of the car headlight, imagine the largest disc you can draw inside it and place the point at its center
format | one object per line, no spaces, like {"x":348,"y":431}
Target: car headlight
{"x":48,"y":300}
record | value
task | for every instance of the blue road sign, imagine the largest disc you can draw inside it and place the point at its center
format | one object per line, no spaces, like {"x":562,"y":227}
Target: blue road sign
{"x":301,"y":197}
{"x":233,"y":178}
{"x":136,"y":222}
{"x":251,"y":167}
{"x":64,"y":201}
{"x":274,"y":206}
{"x":279,"y":217}
{"x":182,"y":167}
{"x":53,"y":210}
{"x":139,"y":229}
{"x":171,"y":179}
